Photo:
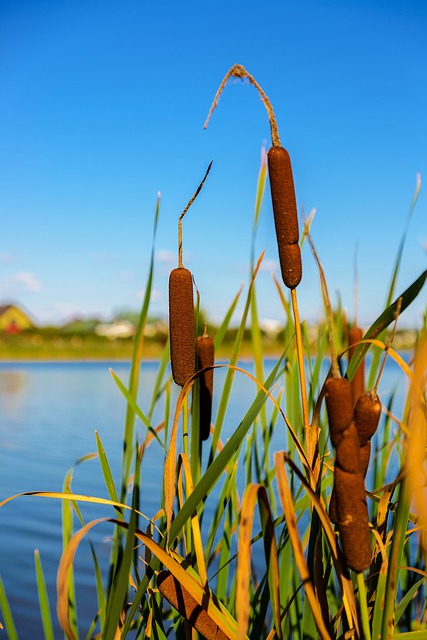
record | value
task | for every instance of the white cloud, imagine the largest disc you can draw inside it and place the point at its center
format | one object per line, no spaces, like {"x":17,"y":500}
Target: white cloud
{"x":5,"y":257}
{"x":166,"y":256}
{"x":269,"y":265}
{"x":21,"y":281}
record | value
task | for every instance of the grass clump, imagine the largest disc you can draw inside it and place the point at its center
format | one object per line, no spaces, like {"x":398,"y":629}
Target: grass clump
{"x":244,"y":543}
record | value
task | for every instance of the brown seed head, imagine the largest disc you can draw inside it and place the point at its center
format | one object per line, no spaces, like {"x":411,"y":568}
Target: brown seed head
{"x":283,"y":196}
{"x":353,"y":520}
{"x":339,"y":405}
{"x":348,"y":450}
{"x":188,"y":607}
{"x":367,"y":413}
{"x":181,"y":325}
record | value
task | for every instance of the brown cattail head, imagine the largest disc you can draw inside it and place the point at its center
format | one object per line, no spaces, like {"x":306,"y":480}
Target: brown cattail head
{"x":348,"y":450}
{"x":291,"y":266}
{"x":206,"y":358}
{"x":339,"y":405}
{"x":283,"y":196}
{"x":188,"y":607}
{"x":365,"y":455}
{"x":355,"y":335}
{"x":285,"y":215}
{"x":181,"y":325}
{"x":367,"y":413}
{"x":353,"y":520}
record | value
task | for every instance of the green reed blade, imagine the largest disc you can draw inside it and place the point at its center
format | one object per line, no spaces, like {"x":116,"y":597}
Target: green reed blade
{"x":384,"y":320}
{"x":226,"y":391}
{"x":159,"y":384}
{"x":108,"y":476}
{"x":43,"y":598}
{"x":9,"y":623}
{"x":127,"y":454}
{"x":130,"y":400}
{"x":213,"y":472}
{"x":223,"y":327}
{"x":100,"y":590}
{"x":228,"y":487}
{"x":120,"y":583}
{"x":402,"y":242}
{"x":395,"y":557}
{"x":400,"y":608}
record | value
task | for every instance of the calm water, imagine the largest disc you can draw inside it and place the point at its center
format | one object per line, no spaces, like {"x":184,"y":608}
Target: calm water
{"x":48,"y":415}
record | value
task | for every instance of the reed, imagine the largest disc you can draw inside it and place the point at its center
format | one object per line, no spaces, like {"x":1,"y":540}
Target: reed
{"x":241,"y":543}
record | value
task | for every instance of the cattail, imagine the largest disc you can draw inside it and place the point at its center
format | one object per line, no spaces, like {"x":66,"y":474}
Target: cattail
{"x":285,"y":215}
{"x":188,"y":607}
{"x":355,"y":335}
{"x":353,"y":518}
{"x":339,"y":406}
{"x":348,"y":507}
{"x":206,"y":358}
{"x":181,"y":325}
{"x":367,"y":413}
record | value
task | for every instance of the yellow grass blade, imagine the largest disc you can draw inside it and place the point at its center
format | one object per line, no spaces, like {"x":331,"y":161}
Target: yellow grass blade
{"x":346,"y":585}
{"x":254,"y":493}
{"x":291,"y":521}
{"x":195,"y":526}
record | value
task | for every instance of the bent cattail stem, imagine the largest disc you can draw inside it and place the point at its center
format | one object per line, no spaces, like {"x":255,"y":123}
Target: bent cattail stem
{"x":181,"y":325}
{"x":238,"y":71}
{"x":188,"y":607}
{"x":355,"y":335}
{"x":206,"y":358}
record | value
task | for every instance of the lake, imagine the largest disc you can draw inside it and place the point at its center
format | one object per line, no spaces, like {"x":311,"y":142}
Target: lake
{"x":48,"y":415}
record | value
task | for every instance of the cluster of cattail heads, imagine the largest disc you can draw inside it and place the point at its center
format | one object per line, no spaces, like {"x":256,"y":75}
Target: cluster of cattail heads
{"x":348,"y":503}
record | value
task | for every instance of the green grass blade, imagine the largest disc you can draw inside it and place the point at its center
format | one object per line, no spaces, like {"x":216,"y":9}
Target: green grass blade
{"x":406,"y":600}
{"x":108,"y":476}
{"x":159,"y":384}
{"x":43,"y":598}
{"x":214,"y":471}
{"x":130,"y":400}
{"x":384,"y":320}
{"x":223,"y":327}
{"x":395,"y":559}
{"x":127,"y":455}
{"x":9,"y":623}
{"x":402,"y":242}
{"x":233,"y":360}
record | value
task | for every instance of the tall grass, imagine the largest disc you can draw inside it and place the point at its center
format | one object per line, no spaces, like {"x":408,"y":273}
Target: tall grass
{"x":267,"y":562}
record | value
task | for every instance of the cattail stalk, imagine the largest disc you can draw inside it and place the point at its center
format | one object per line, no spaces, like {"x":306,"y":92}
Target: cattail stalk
{"x":206,"y":359}
{"x":181,"y":310}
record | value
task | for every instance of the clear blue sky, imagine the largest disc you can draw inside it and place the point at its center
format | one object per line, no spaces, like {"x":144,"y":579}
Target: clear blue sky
{"x":102,"y":105}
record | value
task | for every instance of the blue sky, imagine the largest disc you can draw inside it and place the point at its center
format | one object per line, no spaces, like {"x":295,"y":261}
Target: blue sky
{"x":102,"y":105}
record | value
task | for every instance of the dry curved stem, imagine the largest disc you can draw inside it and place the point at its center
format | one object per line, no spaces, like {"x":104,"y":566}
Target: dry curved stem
{"x":190,"y":202}
{"x":238,"y":71}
